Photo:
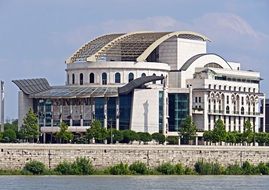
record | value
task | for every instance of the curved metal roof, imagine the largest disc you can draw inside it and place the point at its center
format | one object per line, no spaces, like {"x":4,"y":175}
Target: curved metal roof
{"x":32,"y":86}
{"x":129,"y":87}
{"x":135,"y":46}
{"x":188,"y":63}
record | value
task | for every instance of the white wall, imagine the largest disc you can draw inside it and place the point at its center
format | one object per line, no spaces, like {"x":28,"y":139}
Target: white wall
{"x":25,"y":103}
{"x":145,"y":112}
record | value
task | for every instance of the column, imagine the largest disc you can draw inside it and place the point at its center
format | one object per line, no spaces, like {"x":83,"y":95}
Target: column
{"x":44,"y":137}
{"x":71,"y":111}
{"x":236,"y":123}
{"x":117,"y":113}
{"x":227,"y":123}
{"x":190,"y":100}
{"x":93,"y":108}
{"x":206,"y":121}
{"x":165,"y":107}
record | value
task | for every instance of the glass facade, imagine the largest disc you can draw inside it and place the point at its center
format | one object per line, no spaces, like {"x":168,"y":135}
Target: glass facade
{"x":161,"y":111}
{"x":99,"y":109}
{"x":111,"y":112}
{"x":178,"y":110}
{"x":125,"y":111}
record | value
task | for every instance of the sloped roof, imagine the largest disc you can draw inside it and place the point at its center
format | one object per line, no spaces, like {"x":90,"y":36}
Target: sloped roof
{"x":134,"y":45}
{"x":31,"y":86}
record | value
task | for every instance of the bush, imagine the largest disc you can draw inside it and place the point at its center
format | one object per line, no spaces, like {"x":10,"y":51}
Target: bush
{"x":263,"y":169}
{"x":129,"y":136}
{"x":138,"y":168}
{"x":204,"y":168}
{"x":234,"y":170}
{"x":249,"y":169}
{"x":119,"y":169}
{"x":167,"y":169}
{"x":35,"y":167}
{"x":145,"y":137}
{"x":64,"y":168}
{"x":172,"y":140}
{"x":158,"y":137}
{"x":189,"y":171}
{"x":179,"y":169}
{"x":9,"y":135}
{"x":82,"y":166}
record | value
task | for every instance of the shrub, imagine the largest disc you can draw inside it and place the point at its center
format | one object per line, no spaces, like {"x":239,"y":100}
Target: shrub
{"x":119,"y":169}
{"x":82,"y":166}
{"x":145,"y":137}
{"x":263,"y":169}
{"x":158,"y":137}
{"x":234,"y":170}
{"x":9,"y":135}
{"x":138,"y":168}
{"x":179,"y":169}
{"x":204,"y":168}
{"x":172,"y":139}
{"x":189,"y":171}
{"x":129,"y":136}
{"x":249,"y":169}
{"x":34,"y":167}
{"x":64,"y":168}
{"x":166,"y":168}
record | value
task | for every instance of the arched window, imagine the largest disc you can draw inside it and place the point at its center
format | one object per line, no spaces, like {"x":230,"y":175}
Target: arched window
{"x":104,"y":78}
{"x":227,"y":109}
{"x":130,"y":77}
{"x":73,"y":78}
{"x":213,"y":65}
{"x":117,"y":77}
{"x":154,"y":82}
{"x":92,"y":78}
{"x":242,"y":111}
{"x":143,"y":74}
{"x":81,"y":78}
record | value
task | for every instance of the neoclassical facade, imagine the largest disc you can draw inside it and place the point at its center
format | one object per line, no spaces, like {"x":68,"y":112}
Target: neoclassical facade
{"x":149,"y":82}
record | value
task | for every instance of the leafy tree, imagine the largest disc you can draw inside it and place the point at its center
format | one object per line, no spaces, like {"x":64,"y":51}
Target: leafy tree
{"x":158,"y":137}
{"x":30,"y":126}
{"x":116,"y":135}
{"x":188,"y":129}
{"x":231,"y":137}
{"x":129,"y":136}
{"x":9,"y":135}
{"x":208,"y":136}
{"x":64,"y":135}
{"x":145,"y":137}
{"x":248,"y":134}
{"x":219,"y":133}
{"x":96,"y":131}
{"x":13,"y":125}
{"x":261,"y":138}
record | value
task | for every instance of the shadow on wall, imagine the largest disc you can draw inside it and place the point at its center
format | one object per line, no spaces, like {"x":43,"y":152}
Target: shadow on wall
{"x":146,"y":112}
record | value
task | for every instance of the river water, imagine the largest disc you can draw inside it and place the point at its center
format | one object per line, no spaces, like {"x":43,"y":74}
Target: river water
{"x":134,"y":182}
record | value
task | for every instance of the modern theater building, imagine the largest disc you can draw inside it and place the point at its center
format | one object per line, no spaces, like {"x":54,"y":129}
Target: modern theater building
{"x":146,"y":81}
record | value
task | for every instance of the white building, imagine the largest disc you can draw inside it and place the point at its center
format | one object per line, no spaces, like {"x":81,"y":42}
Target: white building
{"x":1,"y":106}
{"x":146,"y":81}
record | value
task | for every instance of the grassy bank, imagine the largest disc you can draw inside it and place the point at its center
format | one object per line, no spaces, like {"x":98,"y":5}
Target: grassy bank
{"x":83,"y":166}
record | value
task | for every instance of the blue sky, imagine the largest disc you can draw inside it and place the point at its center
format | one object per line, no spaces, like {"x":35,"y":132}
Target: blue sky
{"x":37,"y":36}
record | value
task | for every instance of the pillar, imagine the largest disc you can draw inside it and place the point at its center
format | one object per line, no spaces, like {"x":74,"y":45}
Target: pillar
{"x":165,"y":107}
{"x":44,"y":137}
{"x":105,"y":113}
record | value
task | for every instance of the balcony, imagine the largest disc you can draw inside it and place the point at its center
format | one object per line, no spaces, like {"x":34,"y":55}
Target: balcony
{"x":197,"y":110}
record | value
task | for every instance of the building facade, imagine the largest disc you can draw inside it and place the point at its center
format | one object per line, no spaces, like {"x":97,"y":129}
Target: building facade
{"x":1,"y":106}
{"x":148,"y":82}
{"x":267,"y":115}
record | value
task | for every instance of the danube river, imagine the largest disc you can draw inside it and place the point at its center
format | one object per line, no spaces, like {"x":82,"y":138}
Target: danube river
{"x":134,"y":182}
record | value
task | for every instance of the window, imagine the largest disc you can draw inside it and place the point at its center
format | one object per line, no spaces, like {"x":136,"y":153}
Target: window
{"x":154,"y":82}
{"x":230,"y":88}
{"x":234,"y":88}
{"x":209,"y":86}
{"x":81,"y":79}
{"x":163,"y":79}
{"x":117,"y":78}
{"x":130,"y":77}
{"x":104,"y":78}
{"x":143,"y":74}
{"x":215,"y":86}
{"x":254,"y":90}
{"x":67,"y":78}
{"x":195,"y":99}
{"x":199,"y":99}
{"x":227,"y":109}
{"x":242,"y":100}
{"x":239,"y":89}
{"x":224,"y":87}
{"x":227,"y":99}
{"x":73,"y":78}
{"x":242,"y":111}
{"x":220,"y":87}
{"x":244,"y":89}
{"x":92,"y":78}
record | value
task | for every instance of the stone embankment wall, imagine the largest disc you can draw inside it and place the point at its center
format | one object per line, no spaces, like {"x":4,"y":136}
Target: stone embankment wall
{"x":14,"y":156}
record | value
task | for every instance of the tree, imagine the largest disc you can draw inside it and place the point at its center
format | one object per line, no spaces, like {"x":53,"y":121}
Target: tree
{"x":129,"y":136}
{"x":188,"y":129}
{"x":208,"y":136}
{"x":9,"y":135}
{"x":158,"y":137}
{"x":231,"y":137}
{"x":248,"y":134}
{"x":219,"y":133}
{"x":116,"y":135}
{"x":30,"y":126}
{"x":64,"y":135}
{"x":96,"y":131}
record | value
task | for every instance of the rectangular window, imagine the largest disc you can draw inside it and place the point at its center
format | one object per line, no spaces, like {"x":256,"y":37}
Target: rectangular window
{"x":200,"y":100}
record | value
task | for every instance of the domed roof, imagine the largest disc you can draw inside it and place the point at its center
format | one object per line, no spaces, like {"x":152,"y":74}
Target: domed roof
{"x":135,"y":45}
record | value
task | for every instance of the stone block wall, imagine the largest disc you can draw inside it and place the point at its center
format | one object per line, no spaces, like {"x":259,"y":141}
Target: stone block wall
{"x":14,"y":156}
